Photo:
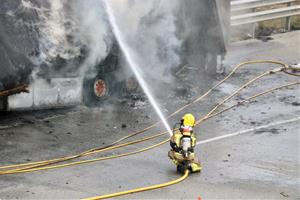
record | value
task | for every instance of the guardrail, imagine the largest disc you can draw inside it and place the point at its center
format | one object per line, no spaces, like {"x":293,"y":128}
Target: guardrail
{"x":249,"y":15}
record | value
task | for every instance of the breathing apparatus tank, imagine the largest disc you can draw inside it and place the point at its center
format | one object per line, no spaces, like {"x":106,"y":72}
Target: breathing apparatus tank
{"x":186,"y":144}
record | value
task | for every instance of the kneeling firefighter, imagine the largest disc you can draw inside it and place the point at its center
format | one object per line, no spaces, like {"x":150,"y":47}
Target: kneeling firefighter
{"x":183,"y":142}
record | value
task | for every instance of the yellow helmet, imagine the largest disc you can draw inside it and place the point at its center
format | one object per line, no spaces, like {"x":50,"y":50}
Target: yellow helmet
{"x":188,"y":120}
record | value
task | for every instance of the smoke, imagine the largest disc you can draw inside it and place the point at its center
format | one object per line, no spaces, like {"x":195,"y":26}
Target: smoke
{"x":55,"y":30}
{"x":150,"y":29}
{"x":74,"y":37}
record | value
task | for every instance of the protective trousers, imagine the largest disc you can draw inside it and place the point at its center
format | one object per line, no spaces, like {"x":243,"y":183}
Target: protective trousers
{"x":179,"y":159}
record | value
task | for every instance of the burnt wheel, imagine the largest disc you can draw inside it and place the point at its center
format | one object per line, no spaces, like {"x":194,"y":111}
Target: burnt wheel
{"x":97,"y":90}
{"x":100,"y":88}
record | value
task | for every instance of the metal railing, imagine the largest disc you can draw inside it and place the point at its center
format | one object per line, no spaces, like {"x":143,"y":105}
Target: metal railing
{"x":250,"y":15}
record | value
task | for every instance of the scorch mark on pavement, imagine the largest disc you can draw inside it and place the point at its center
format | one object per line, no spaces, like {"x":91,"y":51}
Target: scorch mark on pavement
{"x":248,"y":130}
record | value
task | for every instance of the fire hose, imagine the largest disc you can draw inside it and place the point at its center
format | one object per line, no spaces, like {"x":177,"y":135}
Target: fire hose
{"x":209,"y":115}
{"x":36,"y":166}
{"x":118,"y":146}
{"x":101,"y":149}
{"x":186,"y":174}
{"x":114,"y":146}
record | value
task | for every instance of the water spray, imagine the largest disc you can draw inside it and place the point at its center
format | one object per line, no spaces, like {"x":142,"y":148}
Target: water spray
{"x":134,"y":67}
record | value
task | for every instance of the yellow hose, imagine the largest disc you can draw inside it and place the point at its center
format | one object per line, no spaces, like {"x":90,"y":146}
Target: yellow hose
{"x":43,"y":163}
{"x":291,"y":73}
{"x":84,"y":161}
{"x":90,"y":153}
{"x":252,"y":97}
{"x":237,"y":91}
{"x":36,"y":166}
{"x":153,"y":187}
{"x":47,"y":162}
{"x":209,"y":115}
{"x":187,"y":172}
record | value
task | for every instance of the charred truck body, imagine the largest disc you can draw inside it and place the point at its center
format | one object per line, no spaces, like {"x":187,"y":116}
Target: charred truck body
{"x":50,"y":46}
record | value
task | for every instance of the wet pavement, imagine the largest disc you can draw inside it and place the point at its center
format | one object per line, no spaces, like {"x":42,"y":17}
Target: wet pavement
{"x":260,"y":164}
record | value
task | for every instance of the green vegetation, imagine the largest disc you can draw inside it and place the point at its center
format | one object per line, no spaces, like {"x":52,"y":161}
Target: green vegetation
{"x":276,"y":25}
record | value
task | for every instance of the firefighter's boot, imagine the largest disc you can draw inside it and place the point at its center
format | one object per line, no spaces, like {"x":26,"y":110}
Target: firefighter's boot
{"x":195,"y":167}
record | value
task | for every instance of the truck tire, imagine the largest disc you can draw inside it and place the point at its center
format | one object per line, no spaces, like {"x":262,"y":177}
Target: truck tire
{"x":98,"y":90}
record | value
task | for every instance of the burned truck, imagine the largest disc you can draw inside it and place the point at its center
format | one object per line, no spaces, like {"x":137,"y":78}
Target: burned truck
{"x":59,"y":52}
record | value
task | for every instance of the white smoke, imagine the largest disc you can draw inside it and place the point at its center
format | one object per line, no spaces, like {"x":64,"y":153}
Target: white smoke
{"x":53,"y":41}
{"x":75,"y":29}
{"x":73,"y":26}
{"x":150,"y":30}
{"x":93,"y":31}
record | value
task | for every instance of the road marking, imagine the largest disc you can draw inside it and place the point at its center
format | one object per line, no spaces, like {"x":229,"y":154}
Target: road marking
{"x":248,"y":130}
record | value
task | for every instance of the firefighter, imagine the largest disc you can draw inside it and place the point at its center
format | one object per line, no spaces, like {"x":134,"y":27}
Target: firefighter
{"x":183,"y":142}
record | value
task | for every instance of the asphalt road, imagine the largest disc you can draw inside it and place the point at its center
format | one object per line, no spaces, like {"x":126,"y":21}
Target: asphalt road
{"x":258,"y":160}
